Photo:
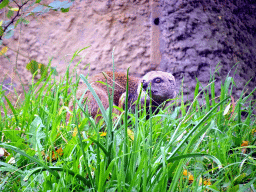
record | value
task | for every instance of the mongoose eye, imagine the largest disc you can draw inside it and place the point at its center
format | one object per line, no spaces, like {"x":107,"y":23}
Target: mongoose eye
{"x":158,"y":80}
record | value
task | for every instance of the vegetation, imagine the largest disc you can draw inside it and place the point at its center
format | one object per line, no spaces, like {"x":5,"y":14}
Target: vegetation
{"x":206,"y":145}
{"x":17,"y":12}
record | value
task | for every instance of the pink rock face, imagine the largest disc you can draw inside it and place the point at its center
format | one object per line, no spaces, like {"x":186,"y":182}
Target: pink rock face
{"x":101,"y":25}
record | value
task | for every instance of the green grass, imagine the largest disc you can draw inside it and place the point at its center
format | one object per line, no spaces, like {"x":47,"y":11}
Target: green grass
{"x":197,"y":138}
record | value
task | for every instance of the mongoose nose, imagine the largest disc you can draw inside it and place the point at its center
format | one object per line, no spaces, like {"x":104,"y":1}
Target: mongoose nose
{"x":145,"y":86}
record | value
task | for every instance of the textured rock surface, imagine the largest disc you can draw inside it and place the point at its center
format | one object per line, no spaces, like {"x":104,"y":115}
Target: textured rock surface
{"x":197,"y":35}
{"x":100,"y":24}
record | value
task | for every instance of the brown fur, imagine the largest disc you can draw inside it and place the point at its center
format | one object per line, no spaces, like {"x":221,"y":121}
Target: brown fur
{"x":102,"y":92}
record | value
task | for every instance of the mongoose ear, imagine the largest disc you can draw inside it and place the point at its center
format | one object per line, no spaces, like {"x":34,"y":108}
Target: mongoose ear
{"x":171,"y":77}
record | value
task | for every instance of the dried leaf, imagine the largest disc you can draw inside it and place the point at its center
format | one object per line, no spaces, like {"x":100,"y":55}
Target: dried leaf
{"x":74,"y":132}
{"x":3,"y":152}
{"x":14,"y":9}
{"x":227,"y":109}
{"x":12,"y":160}
{"x":3,"y":51}
{"x":244,"y":143}
{"x":130,"y":134}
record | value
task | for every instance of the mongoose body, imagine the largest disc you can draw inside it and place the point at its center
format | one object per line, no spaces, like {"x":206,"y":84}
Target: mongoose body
{"x":162,"y":86}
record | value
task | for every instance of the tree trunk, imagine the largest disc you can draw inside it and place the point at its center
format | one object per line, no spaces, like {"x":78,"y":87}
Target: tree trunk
{"x":197,"y":35}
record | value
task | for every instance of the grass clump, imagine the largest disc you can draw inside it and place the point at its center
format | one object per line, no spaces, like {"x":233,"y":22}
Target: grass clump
{"x":187,"y":147}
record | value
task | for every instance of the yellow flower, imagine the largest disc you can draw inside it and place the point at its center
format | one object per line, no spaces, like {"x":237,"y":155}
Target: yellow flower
{"x":190,"y":176}
{"x":207,"y":182}
{"x":103,"y":134}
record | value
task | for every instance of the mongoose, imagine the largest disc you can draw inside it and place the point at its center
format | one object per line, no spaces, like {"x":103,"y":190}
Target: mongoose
{"x":162,"y":88}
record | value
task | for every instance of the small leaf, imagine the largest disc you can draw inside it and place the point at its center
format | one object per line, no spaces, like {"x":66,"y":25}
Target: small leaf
{"x":17,"y":22}
{"x":32,"y":66}
{"x":3,"y":152}
{"x":14,"y":9}
{"x":30,"y":157}
{"x":21,"y":20}
{"x":25,"y":21}
{"x":12,"y":160}
{"x":227,"y":109}
{"x":1,"y":22}
{"x":131,"y":134}
{"x":38,"y":9}
{"x":245,"y":143}
{"x":38,"y":1}
{"x":11,"y":27}
{"x":66,"y":5}
{"x":234,"y":188}
{"x":55,"y":4}
{"x":54,"y":71}
{"x":9,"y":14}
{"x":1,"y":31}
{"x":240,"y":178}
{"x":9,"y":34}
{"x":3,"y":51}
{"x":36,"y":133}
{"x":74,"y":132}
{"x":4,"y":3}
{"x":43,"y":70}
{"x":64,"y":10}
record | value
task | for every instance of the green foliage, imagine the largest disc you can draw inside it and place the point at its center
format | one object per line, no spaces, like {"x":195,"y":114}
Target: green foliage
{"x":10,"y":13}
{"x":16,"y":16}
{"x":188,"y":147}
{"x":63,"y":6}
{"x":4,"y":3}
{"x":36,"y":133}
{"x":33,"y":66}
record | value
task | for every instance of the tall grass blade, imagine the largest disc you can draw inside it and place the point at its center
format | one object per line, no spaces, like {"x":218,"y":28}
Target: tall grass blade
{"x":103,"y":111}
{"x":31,"y":158}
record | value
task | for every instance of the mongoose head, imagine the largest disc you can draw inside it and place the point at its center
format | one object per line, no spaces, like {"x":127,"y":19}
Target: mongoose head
{"x":161,"y":84}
